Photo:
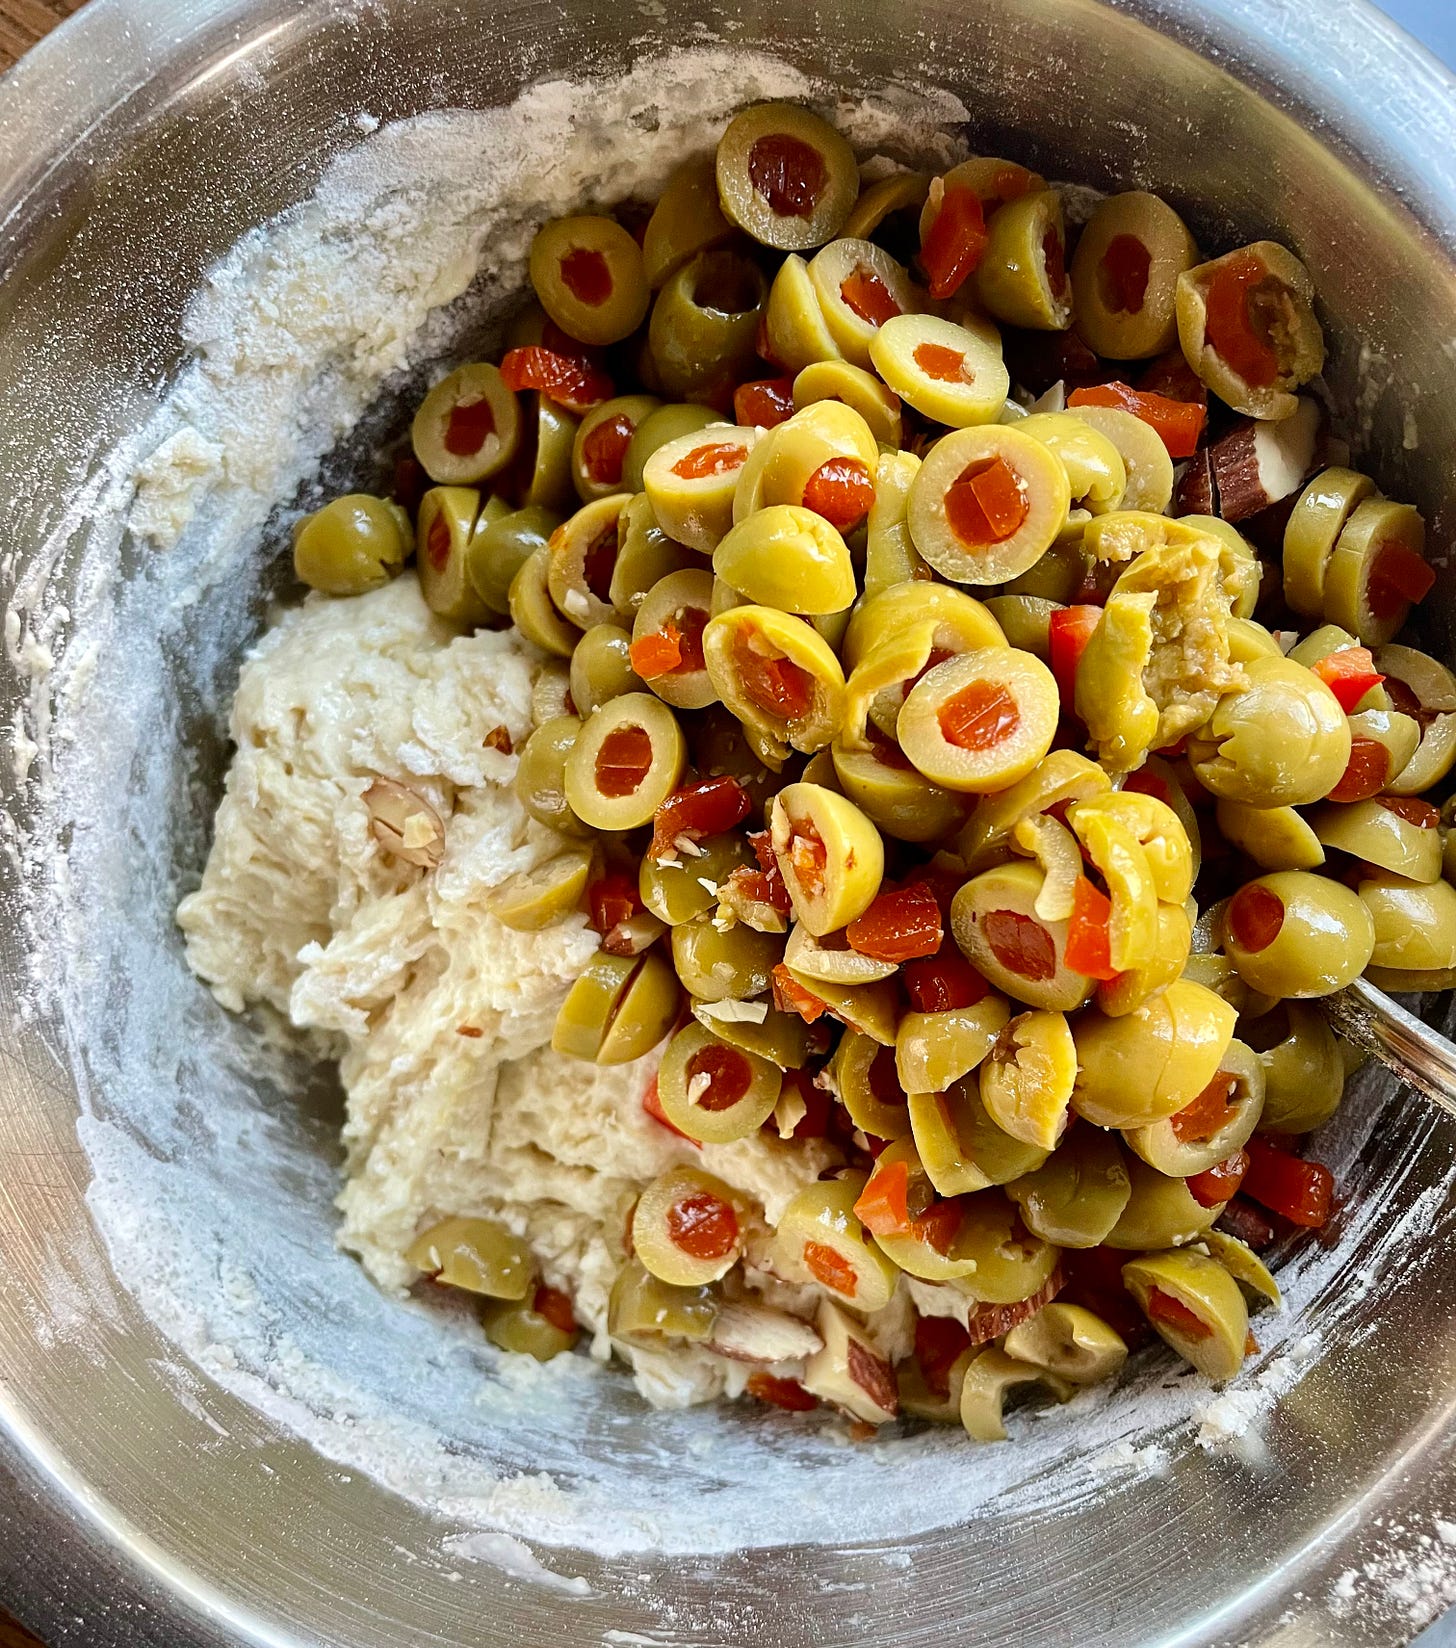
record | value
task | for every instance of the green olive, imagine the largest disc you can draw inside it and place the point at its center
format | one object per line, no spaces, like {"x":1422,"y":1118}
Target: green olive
{"x":1382,"y":836}
{"x":686,"y":1229}
{"x":790,"y":558}
{"x":1060,"y":574}
{"x":582,"y":555}
{"x":691,"y":483}
{"x":960,"y":622}
{"x":1415,"y":926}
{"x":704,"y":328}
{"x":861,"y":391}
{"x":625,"y":763}
{"x":643,"y":1307}
{"x":1077,"y":1196}
{"x":353,"y":544}
{"x":446,"y":525}
{"x":714,"y":964}
{"x":981,"y":720}
{"x":1022,"y":277}
{"x":869,"y":1008}
{"x":901,"y":194}
{"x":545,"y":461}
{"x":1026,"y":621}
{"x":781,"y":1038}
{"x":858,"y":285}
{"x":478,"y":1255}
{"x":681,"y":888}
{"x":1095,"y":469}
{"x":601,"y":667}
{"x":618,"y":1009}
{"x":468,"y":427}
{"x":685,"y":221}
{"x":1310,"y":534}
{"x":1129,"y":990}
{"x":1282,"y":741}
{"x":1181,"y":1153}
{"x":1276,"y":838}
{"x":1145,"y":459}
{"x":920,"y":1401}
{"x":599,"y":447}
{"x":532,"y":610}
{"x":778,"y":676}
{"x":1304,"y":1075}
{"x":890,"y":556}
{"x":819,"y":1238}
{"x":960,"y":1144}
{"x":540,"y":781}
{"x":521,"y":1329}
{"x":713,"y":1092}
{"x":933,"y":1050}
{"x":1011,"y":1263}
{"x":1277,"y":296}
{"x":868,"y":1086}
{"x":896,"y":799}
{"x":785,"y":177}
{"x":1027,"y":1080}
{"x":1375,"y":528}
{"x":989,"y":1378}
{"x":830,"y":855}
{"x":831,"y":960}
{"x":533,"y":899}
{"x":667,"y":423}
{"x":1069,"y":1341}
{"x":1195,"y":1306}
{"x":1244,"y":1265}
{"x":795,"y":330}
{"x":995,"y":923}
{"x":1324,"y":642}
{"x":645,"y":556}
{"x":1125,"y":276}
{"x":949,"y":371}
{"x":1297,"y":934}
{"x":500,"y":546}
{"x":1160,"y":1212}
{"x":588,"y":274}
{"x":786,"y":465}
{"x":1148,"y":1064}
{"x":1063,"y":776}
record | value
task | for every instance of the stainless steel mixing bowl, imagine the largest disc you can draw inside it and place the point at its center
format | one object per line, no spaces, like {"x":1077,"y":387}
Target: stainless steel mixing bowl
{"x":140,"y":1505}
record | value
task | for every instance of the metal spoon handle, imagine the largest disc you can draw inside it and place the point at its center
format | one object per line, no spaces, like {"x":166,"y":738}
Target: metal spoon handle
{"x":1420,"y":1056}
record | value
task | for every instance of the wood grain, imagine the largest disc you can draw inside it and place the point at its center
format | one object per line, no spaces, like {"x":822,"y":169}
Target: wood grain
{"x":14,"y":1636}
{"x":22,"y":23}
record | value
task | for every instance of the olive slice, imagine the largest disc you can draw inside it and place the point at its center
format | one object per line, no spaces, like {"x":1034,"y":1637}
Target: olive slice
{"x":713,"y":1092}
{"x":1125,"y":276}
{"x":947,"y":371}
{"x":588,"y":273}
{"x":625,"y":762}
{"x":1195,"y":1306}
{"x":819,"y":1238}
{"x":995,"y":923}
{"x":830,"y":856}
{"x":778,"y":676}
{"x":582,"y":554}
{"x":691,"y":482}
{"x":468,"y":427}
{"x":600,"y":445}
{"x":685,"y":221}
{"x":686,"y":1228}
{"x":667,"y":639}
{"x":1077,"y":1196}
{"x":1022,"y":275}
{"x":446,"y":530}
{"x":981,"y":720}
{"x":859,"y":287}
{"x":477,"y":1255}
{"x":785,"y":177}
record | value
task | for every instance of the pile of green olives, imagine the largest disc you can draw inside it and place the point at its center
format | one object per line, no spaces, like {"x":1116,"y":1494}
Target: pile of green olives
{"x":942,"y":777}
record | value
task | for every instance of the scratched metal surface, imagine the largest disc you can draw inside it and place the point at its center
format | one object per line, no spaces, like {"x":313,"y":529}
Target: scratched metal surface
{"x":1294,"y":116}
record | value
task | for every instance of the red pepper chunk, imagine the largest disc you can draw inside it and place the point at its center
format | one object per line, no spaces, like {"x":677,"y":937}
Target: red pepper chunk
{"x":777,"y":686}
{"x":612,"y":899}
{"x":1178,"y":424}
{"x":652,"y":1104}
{"x":901,"y":925}
{"x":657,"y":654}
{"x":883,"y":1207}
{"x":1398,"y":576}
{"x":788,"y":1394}
{"x":763,"y":404}
{"x":708,"y":807}
{"x":867,"y":296}
{"x":555,"y":1306}
{"x":1349,"y":674}
{"x":623,"y":761}
{"x":604,"y":449}
{"x":1220,"y":1182}
{"x":703,"y":1226}
{"x":830,"y":1269}
{"x":955,"y":242}
{"x":571,"y":381}
{"x":943,"y":982}
{"x":1255,"y":917}
{"x":1069,"y":630}
{"x":791,"y":997}
{"x":987,"y":504}
{"x":1088,"y":932}
{"x":979,"y":717}
{"x":1302,"y":1191}
{"x":1173,"y":1313}
{"x":467,"y":428}
{"x":1231,"y":326}
{"x":840,"y":490}
{"x":1124,"y":271}
{"x":1021,"y":944}
{"x":788,"y":173}
{"x":1412,"y":809}
{"x":1366,"y":772}
{"x":1202,"y":1118}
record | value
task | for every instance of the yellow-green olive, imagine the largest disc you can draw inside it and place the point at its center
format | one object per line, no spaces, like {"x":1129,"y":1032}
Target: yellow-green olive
{"x":1011,"y":1263}
{"x":533,"y":899}
{"x":961,"y":622}
{"x":1026,"y":621}
{"x":601,"y":667}
{"x":1064,"y":775}
{"x":1415,"y":926}
{"x":667,"y":423}
{"x":831,"y":959}
{"x":785,"y":176}
{"x":795,"y":331}
{"x":532,"y":610}
{"x":989,"y":1378}
{"x":901,"y":194}
{"x":1244,"y":1265}
{"x":680,"y":888}
{"x":1069,"y":1341}
{"x":500,"y":546}
{"x":1130,"y":989}
{"x":645,"y":556}
{"x":477,"y":1255}
{"x":947,"y":371}
{"x":1150,"y":1063}
{"x":1297,"y":934}
{"x":1125,"y":276}
{"x":868,"y":1086}
{"x":523,"y":1330}
{"x":705,"y":325}
{"x":1181,"y":1149}
{"x":582,"y":555}
{"x":643,"y":1307}
{"x":685,"y":221}
{"x":787,"y":557}
{"x":1195,"y":1306}
{"x":1078,"y":1195}
{"x":781,"y":1038}
{"x":819,"y":1238}
{"x":468,"y":427}
{"x":618,"y":1009}
{"x":920,"y":1400}
{"x":691,"y":483}
{"x":1304,"y":1075}
{"x":588,"y":274}
{"x":686,"y":1229}
{"x":667,"y":638}
{"x":446,"y":526}
{"x":1027,"y":1080}
{"x":713,"y":1092}
{"x":778,"y":676}
{"x":994,"y":920}
{"x":1383,"y":836}
{"x":1314,"y":526}
{"x":981,"y":720}
{"x":829,"y":853}
{"x":858,"y":389}
{"x":353,"y":544}
{"x":724,"y":964}
{"x":897,"y":799}
{"x":1095,"y":469}
{"x":1022,"y":275}
{"x":625,"y":763}
{"x":859,"y":286}
{"x":1160,"y":1212}
{"x":1356,"y":596}
{"x":1276,"y":838}
{"x":599,"y":447}
{"x":934,"y":1049}
{"x":961,"y":1146}
{"x":891,"y":557}
{"x":1145,"y":459}
{"x":541,"y":774}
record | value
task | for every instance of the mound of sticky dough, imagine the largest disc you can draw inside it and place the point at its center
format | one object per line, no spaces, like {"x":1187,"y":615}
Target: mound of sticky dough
{"x":385,"y":964}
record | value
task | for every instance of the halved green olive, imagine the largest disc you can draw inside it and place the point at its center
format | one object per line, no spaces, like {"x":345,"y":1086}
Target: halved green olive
{"x":533,"y":899}
{"x":1026,"y":621}
{"x":542,"y":468}
{"x":1181,"y":1148}
{"x":686,"y":1228}
{"x":500,"y":546}
{"x":884,"y":202}
{"x":540,"y":782}
{"x":588,"y":273}
{"x":1064,"y":775}
{"x":857,"y":389}
{"x":468,"y":427}
{"x":778,"y":676}
{"x":642,"y":1306}
{"x":932,"y":1050}
{"x":989,"y":1378}
{"x":1359,"y":594}
{"x":1415,"y":926}
{"x":781,"y":1038}
{"x":1310,"y":534}
{"x":1304,"y":1076}
{"x":677,"y":890}
{"x":897,"y":799}
{"x":961,"y":622}
{"x":691,"y":483}
{"x":1130,"y":989}
{"x":1022,"y":275}
{"x":1152,"y":1062}
{"x":1095,"y":469}
{"x":713,"y":1092}
{"x":859,"y":287}
{"x":1069,"y":1341}
{"x":1078,"y":1195}
{"x":1382,"y":835}
{"x":1145,"y":459}
{"x":785,"y":177}
{"x":1257,"y":301}
{"x":618,"y":1009}
{"x":951,"y":372}
{"x":724,"y":964}
{"x":685,"y":221}
{"x":582,"y":557}
{"x":601,"y":667}
{"x":1027,"y":1080}
{"x":599,"y":447}
{"x":787,"y":557}
{"x":920,"y":1400}
{"x":1195,"y":1306}
{"x":868,"y":1086}
{"x":795,"y":331}
{"x":667,"y":423}
{"x":1282,"y":741}
{"x":524,"y":1331}
{"x":1125,"y":276}
{"x":1244,"y":1265}
{"x":960,"y":1144}
{"x":353,"y":544}
{"x":1011,"y":1263}
{"x":1276,"y":838}
{"x":830,"y":959}
{"x":625,"y":763}
{"x":987,"y":503}
{"x":478,"y":1255}
{"x":995,"y":923}
{"x":1160,"y":1212}
{"x":534,"y":613}
{"x":667,"y":638}
{"x":830,"y":855}
{"x":705,"y":325}
{"x":981,"y":720}
{"x":819,"y":1237}
{"x":890,"y":556}
{"x":870,"y":1008}
{"x":1297,"y":934}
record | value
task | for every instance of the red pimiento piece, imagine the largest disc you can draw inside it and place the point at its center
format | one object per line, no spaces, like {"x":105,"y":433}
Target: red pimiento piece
{"x":883,"y":1206}
{"x":658,"y":653}
{"x":1124,"y":272}
{"x":716,"y":458}
{"x":901,"y":925}
{"x":841,"y":490}
{"x":604,"y":449}
{"x":703,"y":1226}
{"x":830,"y":1269}
{"x":1069,"y":630}
{"x":729,"y":1076}
{"x":938,"y":1341}
{"x":1398,"y":576}
{"x":1255,"y":916}
{"x":1088,"y":932}
{"x":780,"y":1393}
{"x":1366,"y":772}
{"x":867,"y":296}
{"x":808,"y":855}
{"x":938,"y":1226}
{"x":467,"y":427}
{"x":555,"y":1306}
{"x":1054,"y":259}
{"x":623,"y":761}
{"x":571,"y":381}
{"x":955,"y":242}
{"x":940,"y":362}
{"x":709,"y":807}
{"x":979,"y":717}
{"x":1412,"y":809}
{"x":986,"y":504}
{"x":586,"y":274}
{"x":652,"y":1104}
{"x":612,"y":898}
{"x":1178,"y":424}
{"x":788,"y":173}
{"x":1230,"y":326}
{"x":437,"y":543}
{"x":1349,"y":674}
{"x":1218,"y":1183}
{"x":1202,"y":1118}
{"x":1302,"y":1191}
{"x":763,"y":404}
{"x":600,"y":561}
{"x":761,"y":887}
{"x":1173,"y":1313}
{"x":778,"y":686}
{"x":1021,"y":944}
{"x":791,"y":997}
{"x":943,"y":982}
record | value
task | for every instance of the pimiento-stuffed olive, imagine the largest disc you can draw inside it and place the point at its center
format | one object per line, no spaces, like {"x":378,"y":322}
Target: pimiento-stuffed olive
{"x":351,"y":545}
{"x":468,"y":427}
{"x":588,"y":274}
{"x":785,"y":176}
